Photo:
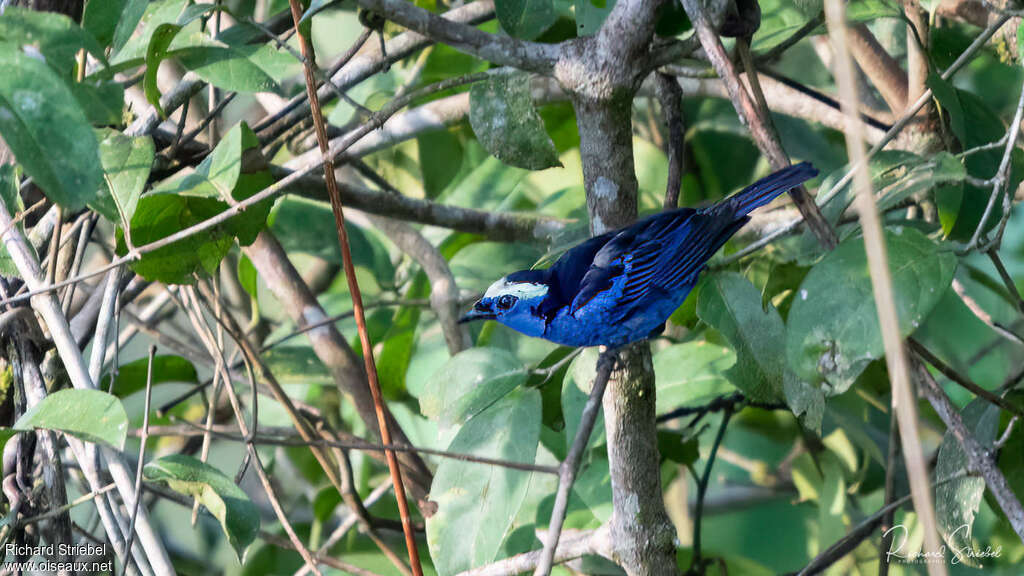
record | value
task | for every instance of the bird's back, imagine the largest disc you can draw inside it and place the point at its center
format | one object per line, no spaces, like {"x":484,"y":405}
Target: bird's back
{"x":621,"y":286}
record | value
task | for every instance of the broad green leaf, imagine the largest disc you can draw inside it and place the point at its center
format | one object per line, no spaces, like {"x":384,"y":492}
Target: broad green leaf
{"x":525,"y":19}
{"x":231,"y":62}
{"x":91,"y":415}
{"x":54,"y":36}
{"x":590,"y":15}
{"x":156,"y":52}
{"x":691,"y":373}
{"x":9,"y":177}
{"x":131,"y":377}
{"x":957,"y":501}
{"x":973,"y":123}
{"x":943,"y":169}
{"x":126,"y":164}
{"x":506,"y":124}
{"x":238,"y":516}
{"x":46,"y":130}
{"x":832,"y":331}
{"x":297,"y":365}
{"x":248,"y":277}
{"x":133,"y":47}
{"x":102,"y":19}
{"x":234,"y":168}
{"x":730,"y":304}
{"x":477,"y":504}
{"x":101,"y":101}
{"x":468,"y":383}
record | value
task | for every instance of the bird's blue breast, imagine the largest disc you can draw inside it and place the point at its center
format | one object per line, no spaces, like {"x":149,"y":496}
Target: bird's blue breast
{"x":603,"y":321}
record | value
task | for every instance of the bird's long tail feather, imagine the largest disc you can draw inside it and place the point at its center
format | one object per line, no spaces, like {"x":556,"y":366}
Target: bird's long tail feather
{"x":766,"y":189}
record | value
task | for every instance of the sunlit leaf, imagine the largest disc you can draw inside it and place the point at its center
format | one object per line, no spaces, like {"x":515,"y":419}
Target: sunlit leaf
{"x":126,"y":165}
{"x":503,"y":118}
{"x":832,"y":330}
{"x":238,"y":516}
{"x":42,"y":124}
{"x":476,"y":504}
{"x":470,"y":382}
{"x":91,"y":415}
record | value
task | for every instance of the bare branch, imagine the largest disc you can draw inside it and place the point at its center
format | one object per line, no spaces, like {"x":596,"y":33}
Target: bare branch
{"x":503,"y":50}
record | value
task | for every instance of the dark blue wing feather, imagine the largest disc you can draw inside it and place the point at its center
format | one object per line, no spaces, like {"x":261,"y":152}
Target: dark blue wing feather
{"x":664,"y":252}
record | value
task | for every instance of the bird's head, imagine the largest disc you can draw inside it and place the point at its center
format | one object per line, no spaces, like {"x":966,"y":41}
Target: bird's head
{"x":511,"y":300}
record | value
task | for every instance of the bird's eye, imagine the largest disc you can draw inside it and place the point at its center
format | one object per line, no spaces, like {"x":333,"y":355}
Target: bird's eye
{"x":505,"y":302}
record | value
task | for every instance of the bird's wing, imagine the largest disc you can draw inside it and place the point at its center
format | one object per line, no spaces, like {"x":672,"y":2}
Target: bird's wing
{"x":568,"y":271}
{"x":660,"y":253}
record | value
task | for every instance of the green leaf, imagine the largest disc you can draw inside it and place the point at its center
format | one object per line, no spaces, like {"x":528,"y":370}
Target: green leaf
{"x":91,"y":415}
{"x":590,"y":15}
{"x":9,"y":178}
{"x":101,"y":18}
{"x":525,"y":19}
{"x":131,"y":377}
{"x":129,"y":46}
{"x":302,"y":225}
{"x":732,"y":305}
{"x":42,"y":124}
{"x":477,"y":504}
{"x":156,"y":52}
{"x":235,"y":167}
{"x":238,"y":516}
{"x":126,"y":165}
{"x":468,"y":383}
{"x":831,"y":503}
{"x":957,"y":501}
{"x":441,"y":157}
{"x":102,"y":102}
{"x":691,"y":373}
{"x":55,"y":36}
{"x":248,"y":277}
{"x":506,"y":124}
{"x":297,"y":365}
{"x":833,"y":333}
{"x":230,"y":63}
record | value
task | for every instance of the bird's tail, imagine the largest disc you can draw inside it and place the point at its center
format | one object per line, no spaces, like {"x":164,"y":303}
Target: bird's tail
{"x":766,"y":189}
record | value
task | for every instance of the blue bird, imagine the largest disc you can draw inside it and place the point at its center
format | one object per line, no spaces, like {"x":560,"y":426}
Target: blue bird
{"x":622,"y":286}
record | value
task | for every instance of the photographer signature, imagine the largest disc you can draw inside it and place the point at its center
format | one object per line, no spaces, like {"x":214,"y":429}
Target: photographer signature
{"x":969,"y":551}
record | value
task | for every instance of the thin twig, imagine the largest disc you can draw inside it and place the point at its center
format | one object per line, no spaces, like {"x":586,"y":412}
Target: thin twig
{"x":1011,"y":286}
{"x":903,"y":399}
{"x":570,"y":466}
{"x":142,"y":454}
{"x":697,"y":562}
{"x":948,"y":371}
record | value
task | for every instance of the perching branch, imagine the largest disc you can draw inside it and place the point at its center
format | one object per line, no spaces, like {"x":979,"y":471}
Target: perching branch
{"x":570,"y":466}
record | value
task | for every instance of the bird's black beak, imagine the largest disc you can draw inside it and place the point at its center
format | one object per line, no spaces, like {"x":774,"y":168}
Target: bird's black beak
{"x":479,"y":312}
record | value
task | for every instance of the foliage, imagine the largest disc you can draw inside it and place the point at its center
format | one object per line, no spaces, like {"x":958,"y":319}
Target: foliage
{"x":782,"y":345}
